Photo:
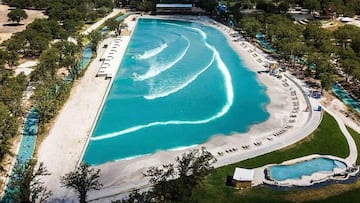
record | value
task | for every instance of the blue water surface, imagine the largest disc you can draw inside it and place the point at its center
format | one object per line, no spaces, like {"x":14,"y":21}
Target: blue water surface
{"x":305,"y":168}
{"x":261,"y":38}
{"x":179,"y":84}
{"x":345,"y":97}
{"x":26,"y":148}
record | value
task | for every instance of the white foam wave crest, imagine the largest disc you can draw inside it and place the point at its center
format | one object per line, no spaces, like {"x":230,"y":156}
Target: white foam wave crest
{"x":166,"y":93}
{"x":152,"y":52}
{"x":156,"y":69}
{"x":183,"y":147}
{"x":132,"y":157}
{"x":181,"y":86}
{"x":202,"y":33}
{"x":229,"y":101}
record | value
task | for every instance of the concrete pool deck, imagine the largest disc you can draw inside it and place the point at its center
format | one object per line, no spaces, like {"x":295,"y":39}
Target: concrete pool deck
{"x":61,"y":150}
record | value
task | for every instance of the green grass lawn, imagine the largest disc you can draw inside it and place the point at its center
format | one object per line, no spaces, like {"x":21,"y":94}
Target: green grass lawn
{"x":353,"y":194}
{"x":327,"y":140}
{"x":356,"y":137}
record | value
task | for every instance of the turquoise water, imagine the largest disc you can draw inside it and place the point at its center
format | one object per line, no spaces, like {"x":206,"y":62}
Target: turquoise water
{"x":305,"y":168}
{"x":86,"y":57}
{"x":26,"y":147}
{"x":28,"y":140}
{"x":345,"y":97}
{"x":264,"y":43}
{"x":179,"y":84}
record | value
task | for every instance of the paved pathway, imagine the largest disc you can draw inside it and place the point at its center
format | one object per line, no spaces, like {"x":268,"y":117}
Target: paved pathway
{"x":100,"y":22}
{"x":352,"y":146}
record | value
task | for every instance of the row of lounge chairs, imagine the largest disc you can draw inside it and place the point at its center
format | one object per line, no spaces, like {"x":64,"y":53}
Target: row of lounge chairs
{"x":245,"y":146}
{"x":257,"y":143}
{"x":234,"y":149}
{"x":108,"y":59}
{"x":280,"y":132}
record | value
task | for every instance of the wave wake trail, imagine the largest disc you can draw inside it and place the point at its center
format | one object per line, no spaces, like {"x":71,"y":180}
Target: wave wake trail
{"x":202,"y":33}
{"x":152,"y":52}
{"x":156,"y":70}
{"x":229,"y":101}
{"x":182,"y":86}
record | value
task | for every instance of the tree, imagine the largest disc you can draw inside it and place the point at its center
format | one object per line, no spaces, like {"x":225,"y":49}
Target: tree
{"x":251,"y":26}
{"x":316,"y":36}
{"x":17,"y":15}
{"x":327,"y":80}
{"x":12,"y":58}
{"x":136,"y":196}
{"x":295,"y":50}
{"x":47,"y":66}
{"x":335,"y":5}
{"x":283,"y":7}
{"x":208,"y":5}
{"x":5,"y":145}
{"x":34,"y":42}
{"x":82,"y":180}
{"x":113,"y":25}
{"x":312,"y":5}
{"x":49,"y":95}
{"x":175,"y":183}
{"x":3,"y":58}
{"x":69,"y":54}
{"x":349,"y":65}
{"x":95,"y":38}
{"x":355,"y":44}
{"x":104,"y":3}
{"x":24,"y":183}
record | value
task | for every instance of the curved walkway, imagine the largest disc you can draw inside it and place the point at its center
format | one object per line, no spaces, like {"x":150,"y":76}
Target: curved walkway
{"x":312,"y":123}
{"x":102,"y":21}
{"x":352,"y":145}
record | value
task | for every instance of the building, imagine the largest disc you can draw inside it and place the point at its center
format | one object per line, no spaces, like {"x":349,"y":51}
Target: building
{"x":243,"y":177}
{"x":185,"y":9}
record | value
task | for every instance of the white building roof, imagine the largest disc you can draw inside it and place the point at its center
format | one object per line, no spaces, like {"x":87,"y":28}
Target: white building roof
{"x":346,"y":19}
{"x":173,"y":5}
{"x":243,"y":174}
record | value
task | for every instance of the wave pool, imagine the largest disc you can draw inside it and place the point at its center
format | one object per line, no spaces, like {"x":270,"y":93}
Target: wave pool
{"x":179,"y":84}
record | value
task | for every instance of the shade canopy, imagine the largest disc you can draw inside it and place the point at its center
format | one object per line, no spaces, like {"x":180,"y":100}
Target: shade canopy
{"x":173,"y":5}
{"x":243,"y":174}
{"x":346,"y":19}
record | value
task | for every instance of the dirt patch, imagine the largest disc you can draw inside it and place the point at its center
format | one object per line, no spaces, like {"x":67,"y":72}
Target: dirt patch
{"x":6,"y":31}
{"x":332,"y":25}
